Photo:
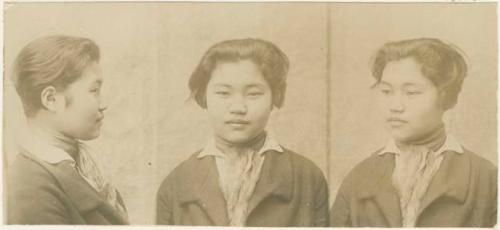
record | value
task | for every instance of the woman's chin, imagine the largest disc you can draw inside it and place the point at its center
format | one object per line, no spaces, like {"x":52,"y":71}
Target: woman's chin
{"x":237,"y":139}
{"x":90,"y":136}
{"x":399,"y":136}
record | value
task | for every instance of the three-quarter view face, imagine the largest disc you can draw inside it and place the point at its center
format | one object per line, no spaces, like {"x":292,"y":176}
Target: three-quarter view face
{"x":239,"y":114}
{"x":411,"y":101}
{"x":424,"y":177}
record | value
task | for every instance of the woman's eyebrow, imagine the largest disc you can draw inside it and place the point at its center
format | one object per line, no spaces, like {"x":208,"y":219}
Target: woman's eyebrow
{"x":222,"y":85}
{"x":254,"y":85}
{"x":408,"y":84}
{"x":384,"y":83}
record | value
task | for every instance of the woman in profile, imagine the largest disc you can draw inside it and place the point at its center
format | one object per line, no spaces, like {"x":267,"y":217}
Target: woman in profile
{"x":54,"y":179}
{"x":423,"y":177}
{"x":242,"y":177}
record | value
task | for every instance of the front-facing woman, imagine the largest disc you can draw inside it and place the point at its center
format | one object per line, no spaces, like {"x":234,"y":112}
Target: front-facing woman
{"x":242,"y":177}
{"x":423,"y":177}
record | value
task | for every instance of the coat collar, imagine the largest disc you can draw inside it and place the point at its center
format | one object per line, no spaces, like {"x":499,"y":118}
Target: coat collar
{"x":81,"y":194}
{"x":450,"y":144}
{"x":276,"y":179}
{"x":451,"y":180}
{"x":270,"y":143}
{"x":62,"y":167}
{"x":379,"y":188}
{"x":51,"y":154}
{"x":200,"y":183}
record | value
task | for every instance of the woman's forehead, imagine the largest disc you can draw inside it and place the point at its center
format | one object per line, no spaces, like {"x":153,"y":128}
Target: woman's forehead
{"x":91,"y":74}
{"x":243,"y":72}
{"x":404,"y":72}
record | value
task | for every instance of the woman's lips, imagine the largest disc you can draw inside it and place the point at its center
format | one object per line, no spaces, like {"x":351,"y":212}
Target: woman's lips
{"x":396,"y":122}
{"x":237,"y":123}
{"x":99,"y":120}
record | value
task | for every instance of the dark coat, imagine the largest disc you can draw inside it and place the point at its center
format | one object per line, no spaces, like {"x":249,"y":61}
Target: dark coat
{"x":291,"y":191}
{"x":43,"y":193}
{"x":463,"y":193}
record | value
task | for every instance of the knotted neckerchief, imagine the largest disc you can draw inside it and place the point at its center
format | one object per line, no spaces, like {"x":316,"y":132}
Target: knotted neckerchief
{"x":239,"y":180}
{"x":88,"y":169}
{"x":415,"y":167}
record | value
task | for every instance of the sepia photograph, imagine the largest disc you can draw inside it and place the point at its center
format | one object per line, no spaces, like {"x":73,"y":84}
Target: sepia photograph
{"x":414,"y":116}
{"x":262,"y":114}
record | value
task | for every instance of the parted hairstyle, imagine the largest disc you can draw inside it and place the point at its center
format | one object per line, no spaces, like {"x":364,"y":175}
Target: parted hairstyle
{"x":50,"y":61}
{"x":440,"y":62}
{"x":269,"y":59}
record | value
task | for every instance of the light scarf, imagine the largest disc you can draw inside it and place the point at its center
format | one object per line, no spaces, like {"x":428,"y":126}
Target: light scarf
{"x":239,"y":173}
{"x":53,"y":147}
{"x":414,"y":169}
{"x":87,"y":168}
{"x":237,"y":181}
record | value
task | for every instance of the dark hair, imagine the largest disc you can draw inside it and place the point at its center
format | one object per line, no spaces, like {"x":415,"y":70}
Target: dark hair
{"x":442,"y":63}
{"x":271,"y":61}
{"x":50,"y":61}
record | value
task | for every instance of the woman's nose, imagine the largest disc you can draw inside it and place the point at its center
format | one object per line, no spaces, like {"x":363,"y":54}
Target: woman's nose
{"x":102,"y":105}
{"x":238,"y":106}
{"x":396,"y":104}
{"x":102,"y":108}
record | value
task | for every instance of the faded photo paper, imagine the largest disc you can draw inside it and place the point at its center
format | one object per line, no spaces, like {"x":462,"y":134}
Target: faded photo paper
{"x":364,"y":118}
{"x":250,"y":114}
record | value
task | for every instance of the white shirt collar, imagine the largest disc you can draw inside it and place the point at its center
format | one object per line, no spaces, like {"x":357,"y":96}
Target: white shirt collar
{"x":36,"y":146}
{"x":269,"y":144}
{"x":450,"y":144}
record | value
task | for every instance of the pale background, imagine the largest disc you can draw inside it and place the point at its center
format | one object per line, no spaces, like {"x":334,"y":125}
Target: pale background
{"x":150,"y":49}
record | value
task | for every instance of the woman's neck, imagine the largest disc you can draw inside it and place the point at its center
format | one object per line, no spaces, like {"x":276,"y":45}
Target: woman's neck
{"x":432,"y":140}
{"x":54,"y":137}
{"x":232,"y":149}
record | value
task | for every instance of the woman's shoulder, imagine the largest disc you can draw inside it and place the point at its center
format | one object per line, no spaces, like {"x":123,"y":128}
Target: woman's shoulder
{"x":479,"y":159}
{"x":303,"y":164}
{"x":185,"y":168}
{"x":188,"y":164}
{"x":480,"y":164}
{"x":28,"y":176}
{"x":372,"y":166}
{"x":26,"y":169}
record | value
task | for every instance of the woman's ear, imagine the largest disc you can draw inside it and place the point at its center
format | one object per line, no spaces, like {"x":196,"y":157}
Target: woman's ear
{"x":50,"y":99}
{"x":445,"y":100}
{"x":279,"y":97}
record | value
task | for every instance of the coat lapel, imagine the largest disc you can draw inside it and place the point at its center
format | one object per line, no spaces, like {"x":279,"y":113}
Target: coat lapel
{"x":83,"y":196}
{"x":201,"y":185}
{"x":276,"y":179}
{"x":451,"y":180}
{"x":379,"y":188}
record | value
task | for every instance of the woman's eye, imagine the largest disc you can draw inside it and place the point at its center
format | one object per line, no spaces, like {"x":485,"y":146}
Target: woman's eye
{"x":95,"y":90}
{"x":412,"y":93}
{"x":255,"y":94}
{"x":222,"y":93}
{"x":385,"y":91}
